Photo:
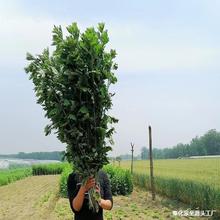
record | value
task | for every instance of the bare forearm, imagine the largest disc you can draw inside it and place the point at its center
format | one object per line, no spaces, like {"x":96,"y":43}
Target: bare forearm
{"x":78,"y":200}
{"x":106,"y":204}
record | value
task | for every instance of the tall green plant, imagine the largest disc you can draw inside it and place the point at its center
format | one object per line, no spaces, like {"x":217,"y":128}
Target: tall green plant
{"x":72,"y":85}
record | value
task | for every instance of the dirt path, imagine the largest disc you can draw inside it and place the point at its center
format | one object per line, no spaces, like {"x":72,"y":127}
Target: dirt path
{"x":36,"y":198}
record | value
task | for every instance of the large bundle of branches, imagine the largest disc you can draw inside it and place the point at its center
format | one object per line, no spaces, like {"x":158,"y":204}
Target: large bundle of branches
{"x":72,"y":85}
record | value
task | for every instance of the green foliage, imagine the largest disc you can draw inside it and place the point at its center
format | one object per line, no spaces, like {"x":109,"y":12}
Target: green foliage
{"x":121,"y":181}
{"x":48,"y":169}
{"x":190,"y":192}
{"x":9,"y":176}
{"x":144,"y":153}
{"x":118,"y":158}
{"x":72,"y":86}
{"x":208,"y":144}
{"x":141,"y":180}
{"x":63,"y":180}
{"x":198,"y":170}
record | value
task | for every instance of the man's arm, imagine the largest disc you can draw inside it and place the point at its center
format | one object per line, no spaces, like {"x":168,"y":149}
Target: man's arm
{"x":107,"y":201}
{"x":78,"y":200}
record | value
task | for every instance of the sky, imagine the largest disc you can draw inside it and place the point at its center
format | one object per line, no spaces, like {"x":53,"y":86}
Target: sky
{"x":168,"y":75}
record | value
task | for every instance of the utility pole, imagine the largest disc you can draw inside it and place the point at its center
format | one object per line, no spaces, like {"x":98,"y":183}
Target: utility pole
{"x":151,"y":164}
{"x":132,"y":157}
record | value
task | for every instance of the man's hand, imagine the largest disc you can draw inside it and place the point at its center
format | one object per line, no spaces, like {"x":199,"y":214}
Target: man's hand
{"x":89,"y":184}
{"x":105,"y":204}
{"x":78,"y":200}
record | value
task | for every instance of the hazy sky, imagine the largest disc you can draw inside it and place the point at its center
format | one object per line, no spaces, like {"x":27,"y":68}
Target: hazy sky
{"x":168,"y":76}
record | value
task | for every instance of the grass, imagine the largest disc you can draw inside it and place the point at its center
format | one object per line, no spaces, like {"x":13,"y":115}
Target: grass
{"x":199,"y":170}
{"x":9,"y":176}
{"x":48,"y":169}
{"x":193,"y":193}
{"x":192,"y":181}
{"x":37,"y":198}
{"x":16,"y":173}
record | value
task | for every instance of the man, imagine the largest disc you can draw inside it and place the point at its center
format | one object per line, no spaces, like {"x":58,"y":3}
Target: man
{"x":78,"y":196}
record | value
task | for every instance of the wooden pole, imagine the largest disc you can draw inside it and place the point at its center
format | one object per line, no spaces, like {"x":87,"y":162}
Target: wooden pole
{"x":151,"y":164}
{"x":132,"y":157}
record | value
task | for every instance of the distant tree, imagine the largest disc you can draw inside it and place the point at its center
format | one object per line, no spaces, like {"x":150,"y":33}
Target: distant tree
{"x":211,"y":142}
{"x":119,"y":160}
{"x":55,"y":155}
{"x":208,"y":144}
{"x":144,"y":153}
{"x":125,"y":156}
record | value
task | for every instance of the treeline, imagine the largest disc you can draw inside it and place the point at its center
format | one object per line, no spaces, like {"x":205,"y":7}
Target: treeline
{"x":208,"y":144}
{"x":125,"y":157}
{"x":55,"y":155}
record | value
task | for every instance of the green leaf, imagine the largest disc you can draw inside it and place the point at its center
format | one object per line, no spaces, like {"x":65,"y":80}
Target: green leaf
{"x":101,"y":131}
{"x":29,"y":56}
{"x":57,"y":35}
{"x":113,"y":53}
{"x":66,"y":102}
{"x":73,"y":117}
{"x":74,"y":30}
{"x":108,"y":148}
{"x":104,"y":37}
{"x":47,"y":129}
{"x":52,"y":112}
{"x":101,"y":27}
{"x":54,"y":70}
{"x":84,"y":110}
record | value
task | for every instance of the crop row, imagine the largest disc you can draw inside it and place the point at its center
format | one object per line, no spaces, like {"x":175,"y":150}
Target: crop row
{"x":48,"y":169}
{"x":196,"y":194}
{"x":9,"y":176}
{"x":197,"y":170}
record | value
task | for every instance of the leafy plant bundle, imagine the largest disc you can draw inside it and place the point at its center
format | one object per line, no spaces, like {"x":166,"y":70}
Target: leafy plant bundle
{"x":72,"y":85}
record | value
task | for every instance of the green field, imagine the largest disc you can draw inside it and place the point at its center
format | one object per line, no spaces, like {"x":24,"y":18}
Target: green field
{"x":199,"y":170}
{"x":193,"y":181}
{"x":9,"y":176}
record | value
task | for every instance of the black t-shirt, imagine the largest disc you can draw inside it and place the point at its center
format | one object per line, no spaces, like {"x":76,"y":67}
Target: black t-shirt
{"x":73,"y":186}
